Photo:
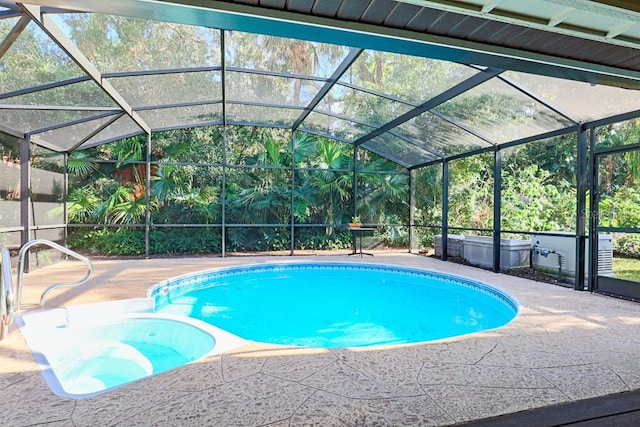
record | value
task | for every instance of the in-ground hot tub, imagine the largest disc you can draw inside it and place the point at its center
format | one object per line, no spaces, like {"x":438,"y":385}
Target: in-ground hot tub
{"x":89,"y":349}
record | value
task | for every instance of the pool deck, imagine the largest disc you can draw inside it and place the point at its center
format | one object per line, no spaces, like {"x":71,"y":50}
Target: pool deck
{"x":565,"y":346}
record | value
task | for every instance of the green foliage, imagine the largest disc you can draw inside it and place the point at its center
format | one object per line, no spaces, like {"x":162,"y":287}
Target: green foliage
{"x":256,"y":194}
{"x":538,"y":193}
{"x":117,"y":43}
{"x":383,"y":196}
{"x":129,"y":149}
{"x":556,"y":156}
{"x":82,"y":206}
{"x":395,"y":236}
{"x":531,"y":201}
{"x":184,"y":241}
{"x":105,"y":241}
{"x":79,"y":165}
{"x":619,"y":170}
{"x":428,"y":202}
{"x":33,"y":51}
{"x":621,"y":209}
{"x":130,"y":241}
{"x":627,"y":245}
{"x":122,"y":207}
{"x":318,"y":239}
{"x":471,"y":192}
{"x":258,"y":239}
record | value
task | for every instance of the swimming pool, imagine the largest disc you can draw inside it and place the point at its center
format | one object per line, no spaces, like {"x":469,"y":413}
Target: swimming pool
{"x":335,"y":304}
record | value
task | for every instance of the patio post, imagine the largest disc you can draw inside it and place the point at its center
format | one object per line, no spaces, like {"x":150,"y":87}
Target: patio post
{"x":412,"y":207}
{"x":147,"y":194}
{"x":223,"y":214}
{"x":355,"y":180}
{"x":293,"y":186}
{"x":497,"y":207}
{"x":581,"y":208}
{"x":65,"y":197}
{"x":594,"y":208}
{"x":25,"y":195}
{"x":445,"y":208}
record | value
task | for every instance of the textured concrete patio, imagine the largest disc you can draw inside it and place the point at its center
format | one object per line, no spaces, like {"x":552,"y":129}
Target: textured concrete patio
{"x":564,"y":346}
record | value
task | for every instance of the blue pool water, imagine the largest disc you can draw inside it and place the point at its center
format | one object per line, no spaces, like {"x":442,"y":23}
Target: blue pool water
{"x":335,"y":304}
{"x":121,"y":351}
{"x":85,"y":357}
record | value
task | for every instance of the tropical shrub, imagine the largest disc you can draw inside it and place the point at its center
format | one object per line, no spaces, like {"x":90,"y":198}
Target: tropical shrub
{"x":184,"y":241}
{"x":533,"y":201}
{"x":538,"y":193}
{"x":626,"y":245}
{"x":108,"y":241}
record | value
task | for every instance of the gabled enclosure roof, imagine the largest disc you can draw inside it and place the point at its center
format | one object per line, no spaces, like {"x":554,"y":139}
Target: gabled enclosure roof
{"x":413,"y":81}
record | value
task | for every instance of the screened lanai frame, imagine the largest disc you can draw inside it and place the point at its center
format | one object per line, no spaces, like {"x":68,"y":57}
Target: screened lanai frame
{"x":399,"y":131}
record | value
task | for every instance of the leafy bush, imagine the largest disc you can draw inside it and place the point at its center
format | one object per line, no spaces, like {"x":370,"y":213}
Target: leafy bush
{"x":538,"y":193}
{"x":258,"y":239}
{"x":184,"y":241}
{"x":395,"y":236}
{"x":622,"y":209}
{"x":106,"y":241}
{"x":627,"y":245}
{"x":531,"y":200}
{"x":318,"y":238}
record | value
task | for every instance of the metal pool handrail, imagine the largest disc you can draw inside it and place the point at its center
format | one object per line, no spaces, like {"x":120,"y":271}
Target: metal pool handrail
{"x":7,"y":308}
{"x":43,"y":297}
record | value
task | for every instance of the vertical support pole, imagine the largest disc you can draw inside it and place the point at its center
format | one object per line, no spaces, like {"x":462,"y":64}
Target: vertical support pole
{"x":497,"y":207}
{"x":445,"y":209}
{"x":25,"y":195}
{"x":412,"y":208}
{"x":355,"y":180}
{"x":581,"y":208}
{"x":594,"y":205}
{"x":355,"y":191}
{"x":293,"y":192}
{"x":147,"y":195}
{"x":65,"y":198}
{"x":223,"y":219}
